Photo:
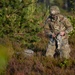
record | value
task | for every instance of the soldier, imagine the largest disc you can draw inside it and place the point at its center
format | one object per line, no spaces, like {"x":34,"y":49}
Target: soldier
{"x":59,"y":27}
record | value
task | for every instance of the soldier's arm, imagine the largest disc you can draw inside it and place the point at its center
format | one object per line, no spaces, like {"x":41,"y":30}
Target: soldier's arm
{"x":67,"y":25}
{"x":46,"y":26}
{"x":47,"y":20}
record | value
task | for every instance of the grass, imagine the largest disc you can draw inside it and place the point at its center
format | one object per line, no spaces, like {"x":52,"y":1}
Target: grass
{"x":6,"y":52}
{"x":3,"y":58}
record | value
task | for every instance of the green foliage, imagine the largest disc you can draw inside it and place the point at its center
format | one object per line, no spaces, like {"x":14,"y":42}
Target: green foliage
{"x":6,"y":52}
{"x":72,"y":6}
{"x":72,"y":19}
{"x":60,"y":3}
{"x":3,"y":58}
{"x":65,"y":63}
{"x":19,"y":20}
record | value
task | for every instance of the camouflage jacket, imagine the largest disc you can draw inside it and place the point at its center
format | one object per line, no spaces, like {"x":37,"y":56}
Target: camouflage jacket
{"x":59,"y":24}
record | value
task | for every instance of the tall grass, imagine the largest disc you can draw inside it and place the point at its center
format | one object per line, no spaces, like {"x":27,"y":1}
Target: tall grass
{"x":6,"y":52}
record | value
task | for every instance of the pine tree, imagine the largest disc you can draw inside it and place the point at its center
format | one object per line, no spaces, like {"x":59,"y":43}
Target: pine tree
{"x":19,"y":19}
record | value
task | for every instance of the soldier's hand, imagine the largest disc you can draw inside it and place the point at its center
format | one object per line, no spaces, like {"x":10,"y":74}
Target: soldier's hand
{"x":53,"y":35}
{"x":62,"y":33}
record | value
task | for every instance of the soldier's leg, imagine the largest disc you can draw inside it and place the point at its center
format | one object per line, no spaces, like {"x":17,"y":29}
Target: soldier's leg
{"x":50,"y":49}
{"x":59,"y":46}
{"x":66,"y":49}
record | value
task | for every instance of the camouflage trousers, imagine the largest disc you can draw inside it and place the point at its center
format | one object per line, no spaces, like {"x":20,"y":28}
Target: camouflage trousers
{"x":58,"y":46}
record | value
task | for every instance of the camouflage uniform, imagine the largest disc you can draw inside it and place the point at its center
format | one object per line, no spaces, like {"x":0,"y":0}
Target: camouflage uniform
{"x":56,"y":24}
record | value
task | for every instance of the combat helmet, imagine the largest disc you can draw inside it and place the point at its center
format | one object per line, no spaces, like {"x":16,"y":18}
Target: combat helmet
{"x":54,"y":10}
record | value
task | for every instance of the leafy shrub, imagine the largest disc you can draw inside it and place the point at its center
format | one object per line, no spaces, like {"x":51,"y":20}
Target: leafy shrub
{"x":19,"y":20}
{"x":72,"y":19}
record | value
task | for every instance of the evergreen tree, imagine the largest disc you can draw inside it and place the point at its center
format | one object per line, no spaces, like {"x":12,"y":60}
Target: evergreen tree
{"x":19,"y":19}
